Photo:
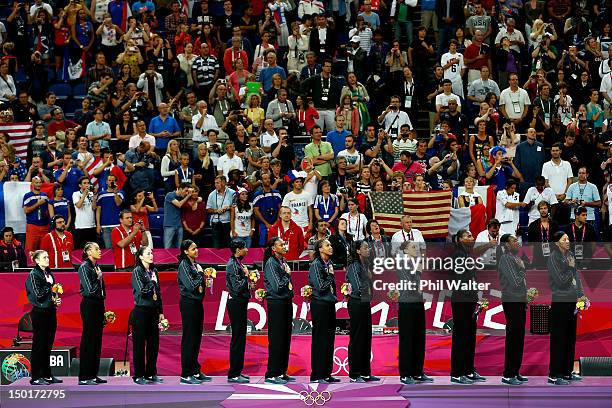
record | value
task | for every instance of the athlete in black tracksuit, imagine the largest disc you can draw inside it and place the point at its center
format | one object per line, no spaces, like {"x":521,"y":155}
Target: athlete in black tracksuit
{"x":93,"y":293}
{"x":192,"y":288}
{"x":44,"y":319}
{"x":323,"y":313}
{"x":147,"y":314}
{"x":237,"y":284}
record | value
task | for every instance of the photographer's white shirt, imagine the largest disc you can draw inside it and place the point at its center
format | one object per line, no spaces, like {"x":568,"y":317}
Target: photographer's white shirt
{"x":299,"y":203}
{"x":136,"y":139}
{"x":84,"y":216}
{"x":267,"y":140}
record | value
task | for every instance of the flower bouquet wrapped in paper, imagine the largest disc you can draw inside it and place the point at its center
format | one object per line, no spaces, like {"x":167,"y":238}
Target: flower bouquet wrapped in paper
{"x":483,"y":304}
{"x":306,"y":292}
{"x":346,"y":289}
{"x":260,"y":294}
{"x":163,"y":325}
{"x":394,"y":295}
{"x":532,"y":293}
{"x":57,"y":289}
{"x":253,"y":277}
{"x":109,"y":317}
{"x":583,"y":303}
{"x":210,"y":274}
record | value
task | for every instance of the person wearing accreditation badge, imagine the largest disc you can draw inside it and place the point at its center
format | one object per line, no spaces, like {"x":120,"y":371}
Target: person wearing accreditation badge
{"x":58,"y":243}
{"x":127,"y":238}
{"x":35,"y":206}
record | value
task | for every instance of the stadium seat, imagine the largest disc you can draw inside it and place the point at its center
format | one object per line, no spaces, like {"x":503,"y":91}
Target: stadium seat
{"x":71,"y":106}
{"x":160,"y":195}
{"x":156,"y":223}
{"x":61,"y":91}
{"x":79,"y":91}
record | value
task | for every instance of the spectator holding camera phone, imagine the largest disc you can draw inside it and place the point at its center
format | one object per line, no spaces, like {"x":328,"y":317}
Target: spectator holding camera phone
{"x":107,"y":209}
{"x":85,"y":204}
{"x":143,"y":203}
{"x":127,"y":238}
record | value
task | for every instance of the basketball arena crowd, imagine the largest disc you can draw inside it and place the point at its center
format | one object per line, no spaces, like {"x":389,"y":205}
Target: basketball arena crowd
{"x":253,"y":119}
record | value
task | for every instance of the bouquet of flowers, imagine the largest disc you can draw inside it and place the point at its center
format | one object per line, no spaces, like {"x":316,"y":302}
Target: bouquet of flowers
{"x":253,"y":277}
{"x":483,"y":304}
{"x":346,"y":289}
{"x":582,"y":304}
{"x":57,"y":289}
{"x":260,"y":294}
{"x":210,"y":274}
{"x":394,"y":295}
{"x":532,"y":293}
{"x":109,"y":317}
{"x":306,"y":292}
{"x":163,"y":325}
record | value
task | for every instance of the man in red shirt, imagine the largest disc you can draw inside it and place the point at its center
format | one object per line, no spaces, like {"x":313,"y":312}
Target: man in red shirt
{"x":58,"y":243}
{"x":476,"y":56}
{"x":290,"y":232}
{"x":59,"y":124}
{"x":127,"y":239}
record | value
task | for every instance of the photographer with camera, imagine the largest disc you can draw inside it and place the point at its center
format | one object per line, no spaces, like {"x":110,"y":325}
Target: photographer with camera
{"x":392,"y":118}
{"x":221,"y":102}
{"x":108,"y":206}
{"x":127,"y":238}
{"x":152,"y":84}
{"x":281,"y":110}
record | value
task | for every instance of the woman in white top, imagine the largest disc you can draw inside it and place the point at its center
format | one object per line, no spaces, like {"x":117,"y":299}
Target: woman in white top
{"x":259,"y":58}
{"x":8,"y":90}
{"x":186,"y":61}
{"x":510,"y":139}
{"x":170,"y":162}
{"x":241,"y":218}
{"x":84,"y":213}
{"x":469,"y":197}
{"x":311,"y":183}
{"x":298,"y":47}
{"x":108,"y":34}
{"x":356,"y":222}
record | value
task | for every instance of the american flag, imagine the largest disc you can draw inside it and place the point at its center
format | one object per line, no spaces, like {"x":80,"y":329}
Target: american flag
{"x":430,"y":211}
{"x":20,"y":134}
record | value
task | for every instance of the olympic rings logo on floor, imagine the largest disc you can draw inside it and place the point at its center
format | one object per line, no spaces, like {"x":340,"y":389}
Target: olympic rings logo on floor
{"x":315,"y":397}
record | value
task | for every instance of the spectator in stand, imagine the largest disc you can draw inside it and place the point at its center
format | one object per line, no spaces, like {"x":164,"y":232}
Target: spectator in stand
{"x":85,"y":204}
{"x":204,"y":70}
{"x":266,"y":204}
{"x":193,"y":218}
{"x":536,"y":195}
{"x":290,"y":232}
{"x":58,"y":243}
{"x":407,"y":166}
{"x":407,"y":233}
{"x":59,"y":124}
{"x":241,"y":218}
{"x":127,"y":238}
{"x":35,"y":206}
{"x":229,"y":160}
{"x":478,"y":88}
{"x":98,"y":130}
{"x":450,"y":17}
{"x":529,"y":159}
{"x":299,"y":202}
{"x":108,"y":207}
{"x":141,"y":136}
{"x":140,"y":211}
{"x":507,"y":208}
{"x":322,"y":153}
{"x":514,"y":103}
{"x":280,"y":110}
{"x":173,"y":203}
{"x":163,"y":128}
{"x":218,"y":205}
{"x":324,"y":90}
{"x":338,"y":136}
{"x":583,"y":193}
{"x":68,"y":175}
{"x":36,"y":170}
{"x":558,"y":174}
{"x":59,"y":205}
{"x":12,"y":255}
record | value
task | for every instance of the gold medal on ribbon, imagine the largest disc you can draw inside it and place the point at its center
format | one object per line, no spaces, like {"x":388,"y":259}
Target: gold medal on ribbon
{"x":574,"y":282}
{"x":290,"y":286}
{"x":200,"y":289}
{"x":155,"y":296}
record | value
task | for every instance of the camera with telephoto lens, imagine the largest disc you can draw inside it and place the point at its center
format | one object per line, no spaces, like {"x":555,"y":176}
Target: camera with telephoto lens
{"x":343,"y":190}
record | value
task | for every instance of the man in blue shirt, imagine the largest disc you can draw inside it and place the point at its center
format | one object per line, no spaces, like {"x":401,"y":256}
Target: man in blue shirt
{"x":265,"y":77}
{"x":37,"y":215}
{"x":68,"y":176}
{"x":173,"y":228}
{"x":108,"y":208}
{"x":529,"y":159}
{"x":581,"y":193}
{"x":337,"y":137}
{"x":163,"y":127}
{"x":266,"y":205}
